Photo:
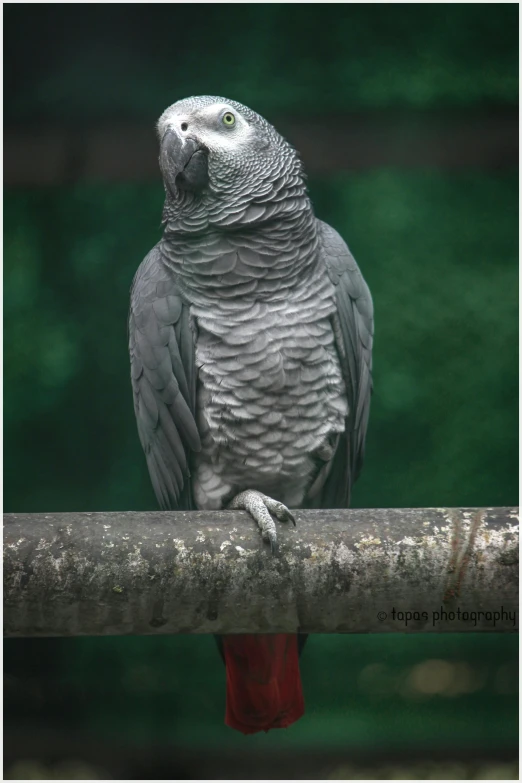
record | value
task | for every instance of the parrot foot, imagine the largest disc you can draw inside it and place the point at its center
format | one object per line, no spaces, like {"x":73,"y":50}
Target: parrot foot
{"x":260,"y":506}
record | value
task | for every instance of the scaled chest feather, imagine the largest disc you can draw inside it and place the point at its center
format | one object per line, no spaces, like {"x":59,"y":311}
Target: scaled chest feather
{"x":269,"y":382}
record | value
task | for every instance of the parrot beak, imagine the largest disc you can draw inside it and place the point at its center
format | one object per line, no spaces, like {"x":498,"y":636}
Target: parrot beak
{"x":183,"y":163}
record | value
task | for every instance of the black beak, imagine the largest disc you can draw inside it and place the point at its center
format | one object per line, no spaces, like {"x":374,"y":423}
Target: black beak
{"x":183,"y":163}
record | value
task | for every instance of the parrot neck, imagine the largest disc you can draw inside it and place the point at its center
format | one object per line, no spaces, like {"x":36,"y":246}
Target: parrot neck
{"x":261,"y":261}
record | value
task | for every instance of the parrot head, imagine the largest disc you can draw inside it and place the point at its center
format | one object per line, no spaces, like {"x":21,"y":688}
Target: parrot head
{"x":218,"y":157}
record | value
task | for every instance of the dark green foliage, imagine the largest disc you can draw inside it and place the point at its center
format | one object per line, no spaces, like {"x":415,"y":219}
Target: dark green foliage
{"x":117,"y":61}
{"x":172,"y":689}
{"x":440,"y":256}
{"x":70,"y":256}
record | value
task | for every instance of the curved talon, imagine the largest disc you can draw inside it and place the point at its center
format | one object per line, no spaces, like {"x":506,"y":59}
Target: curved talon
{"x":260,"y":507}
{"x":278,"y":509}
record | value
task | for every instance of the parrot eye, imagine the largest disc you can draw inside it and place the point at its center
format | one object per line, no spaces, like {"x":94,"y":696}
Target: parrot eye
{"x":229,"y":119}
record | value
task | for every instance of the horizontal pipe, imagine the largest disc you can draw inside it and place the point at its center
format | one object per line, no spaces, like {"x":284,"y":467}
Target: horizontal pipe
{"x":338,"y":571}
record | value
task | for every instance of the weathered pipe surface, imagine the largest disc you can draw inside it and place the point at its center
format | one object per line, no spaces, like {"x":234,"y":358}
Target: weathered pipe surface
{"x":348,"y":571}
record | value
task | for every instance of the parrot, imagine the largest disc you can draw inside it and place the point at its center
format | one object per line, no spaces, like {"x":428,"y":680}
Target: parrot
{"x":250,"y":340}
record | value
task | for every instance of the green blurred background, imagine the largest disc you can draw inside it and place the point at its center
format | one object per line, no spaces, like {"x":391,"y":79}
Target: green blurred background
{"x":425,"y":193}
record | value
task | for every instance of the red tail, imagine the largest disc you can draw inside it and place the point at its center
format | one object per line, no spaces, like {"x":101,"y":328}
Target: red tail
{"x":263,"y":681}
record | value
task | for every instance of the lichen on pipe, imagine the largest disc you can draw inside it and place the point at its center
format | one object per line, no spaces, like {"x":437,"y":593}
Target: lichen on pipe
{"x":338,"y":571}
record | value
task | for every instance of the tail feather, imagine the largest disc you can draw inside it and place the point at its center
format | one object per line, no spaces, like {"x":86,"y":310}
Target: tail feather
{"x":263,"y":681}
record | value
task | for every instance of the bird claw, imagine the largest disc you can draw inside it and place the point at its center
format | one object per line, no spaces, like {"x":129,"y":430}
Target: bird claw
{"x":260,"y":507}
{"x":279,"y":510}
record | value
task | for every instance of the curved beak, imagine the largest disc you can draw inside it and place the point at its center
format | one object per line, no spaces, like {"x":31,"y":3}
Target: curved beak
{"x":176,"y":154}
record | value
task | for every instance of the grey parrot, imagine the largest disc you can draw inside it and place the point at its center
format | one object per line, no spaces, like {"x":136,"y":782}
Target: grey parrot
{"x":250,"y":338}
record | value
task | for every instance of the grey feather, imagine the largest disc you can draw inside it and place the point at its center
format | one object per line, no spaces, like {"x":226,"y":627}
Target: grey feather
{"x":163,"y":402}
{"x":354,"y":341}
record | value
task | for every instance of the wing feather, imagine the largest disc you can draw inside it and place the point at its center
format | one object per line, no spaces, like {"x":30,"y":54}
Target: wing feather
{"x":163,"y":374}
{"x":353,"y":330}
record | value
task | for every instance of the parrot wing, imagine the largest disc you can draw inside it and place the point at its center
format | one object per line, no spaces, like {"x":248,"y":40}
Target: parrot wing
{"x":353,"y":331}
{"x":163,"y":373}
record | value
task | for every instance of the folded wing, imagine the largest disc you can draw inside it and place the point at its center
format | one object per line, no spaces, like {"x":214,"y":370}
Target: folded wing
{"x":163,"y":373}
{"x":353,"y":330}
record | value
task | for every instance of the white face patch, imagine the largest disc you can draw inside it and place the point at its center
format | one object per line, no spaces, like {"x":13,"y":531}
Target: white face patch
{"x":206,"y":125}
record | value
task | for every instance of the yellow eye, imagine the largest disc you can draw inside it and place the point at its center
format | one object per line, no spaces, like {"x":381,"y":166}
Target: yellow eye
{"x":229,"y":119}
